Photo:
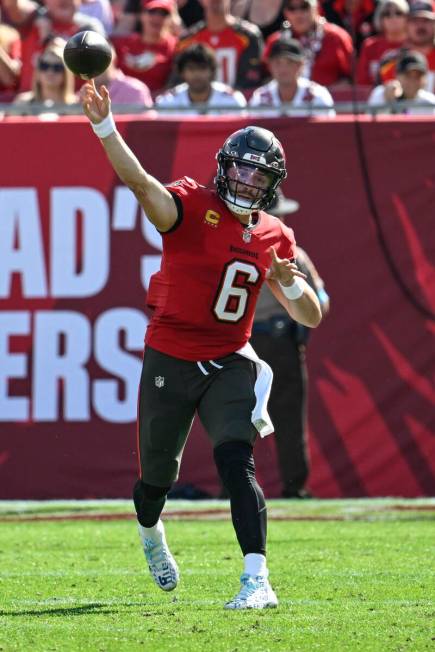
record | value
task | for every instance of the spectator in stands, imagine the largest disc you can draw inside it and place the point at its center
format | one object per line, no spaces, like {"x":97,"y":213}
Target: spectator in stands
{"x":390,"y":21}
{"x":127,"y":17}
{"x":411,"y":71}
{"x":196,"y":66}
{"x":10,"y":59}
{"x":52,"y":82}
{"x":148,"y":56}
{"x":100,"y":9}
{"x":328,"y":48}
{"x":355,"y":16}
{"x":129,"y":20}
{"x":118,"y":11}
{"x":420,"y":37}
{"x":286,"y":61}
{"x":122,"y":88}
{"x":237,"y":43}
{"x":37,"y":24}
{"x":268,"y":16}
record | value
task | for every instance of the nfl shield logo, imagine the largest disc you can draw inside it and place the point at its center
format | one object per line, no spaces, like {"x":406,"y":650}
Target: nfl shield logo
{"x":159,"y":381}
{"x":246,"y":236}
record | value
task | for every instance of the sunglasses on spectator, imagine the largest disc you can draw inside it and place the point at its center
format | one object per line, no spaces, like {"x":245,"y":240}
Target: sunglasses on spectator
{"x":46,"y":65}
{"x":391,"y":14}
{"x":305,"y":6}
{"x":157,"y":12}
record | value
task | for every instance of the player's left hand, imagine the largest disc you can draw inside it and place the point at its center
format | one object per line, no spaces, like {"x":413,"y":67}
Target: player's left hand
{"x":283,"y":270}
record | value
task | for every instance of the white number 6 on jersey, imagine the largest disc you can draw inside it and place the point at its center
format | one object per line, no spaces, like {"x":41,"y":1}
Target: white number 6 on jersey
{"x":232,"y":297}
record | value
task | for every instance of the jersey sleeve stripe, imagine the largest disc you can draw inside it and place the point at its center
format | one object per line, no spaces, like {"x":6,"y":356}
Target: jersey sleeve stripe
{"x":179,"y":219}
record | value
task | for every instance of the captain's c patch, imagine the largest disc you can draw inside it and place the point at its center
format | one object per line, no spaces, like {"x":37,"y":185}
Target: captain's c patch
{"x":212,"y":218}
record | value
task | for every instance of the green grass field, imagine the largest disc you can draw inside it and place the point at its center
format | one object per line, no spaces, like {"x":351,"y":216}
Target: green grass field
{"x":350,"y":575}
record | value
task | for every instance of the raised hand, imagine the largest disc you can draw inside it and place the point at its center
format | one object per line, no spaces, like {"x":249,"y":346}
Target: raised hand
{"x":283,"y":270}
{"x":392,"y":90}
{"x":96,"y":106}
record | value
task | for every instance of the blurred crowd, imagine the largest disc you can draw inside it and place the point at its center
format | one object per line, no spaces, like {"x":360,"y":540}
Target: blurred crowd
{"x":294,"y":57}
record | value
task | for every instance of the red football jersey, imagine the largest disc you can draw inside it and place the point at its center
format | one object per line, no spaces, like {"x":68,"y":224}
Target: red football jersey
{"x":212,"y":269}
{"x":238,"y":51}
{"x":151,"y":63}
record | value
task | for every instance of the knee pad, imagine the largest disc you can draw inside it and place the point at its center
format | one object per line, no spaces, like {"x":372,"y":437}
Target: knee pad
{"x":234,"y":460}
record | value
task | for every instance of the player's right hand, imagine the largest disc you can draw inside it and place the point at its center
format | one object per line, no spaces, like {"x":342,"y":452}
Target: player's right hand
{"x":95,"y":105}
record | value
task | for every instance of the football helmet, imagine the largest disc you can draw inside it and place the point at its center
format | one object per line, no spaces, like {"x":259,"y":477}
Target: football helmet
{"x":251,"y":165}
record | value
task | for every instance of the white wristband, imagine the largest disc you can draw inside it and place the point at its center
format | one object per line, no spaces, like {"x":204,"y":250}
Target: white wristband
{"x":105,"y":127}
{"x":293,"y":291}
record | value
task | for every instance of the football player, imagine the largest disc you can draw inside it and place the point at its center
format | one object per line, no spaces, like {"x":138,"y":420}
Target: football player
{"x":219,"y":246}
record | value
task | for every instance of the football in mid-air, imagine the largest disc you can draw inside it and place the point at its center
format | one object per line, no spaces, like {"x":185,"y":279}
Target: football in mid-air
{"x":87,"y":54}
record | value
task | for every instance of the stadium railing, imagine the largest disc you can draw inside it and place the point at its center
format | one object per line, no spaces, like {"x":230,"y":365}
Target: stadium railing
{"x":341,"y":108}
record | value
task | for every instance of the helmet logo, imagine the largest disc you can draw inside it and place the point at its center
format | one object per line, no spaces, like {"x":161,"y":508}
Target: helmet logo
{"x":256,"y":158}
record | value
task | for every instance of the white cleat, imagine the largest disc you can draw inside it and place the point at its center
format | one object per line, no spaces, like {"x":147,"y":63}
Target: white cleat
{"x":161,"y":563}
{"x":255,"y":593}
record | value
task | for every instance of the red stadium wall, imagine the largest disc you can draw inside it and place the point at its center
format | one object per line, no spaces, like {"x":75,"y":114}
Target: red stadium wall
{"x":75,"y":259}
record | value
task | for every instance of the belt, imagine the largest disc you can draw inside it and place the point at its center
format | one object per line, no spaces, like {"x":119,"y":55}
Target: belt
{"x":276,"y":326}
{"x":281,"y":326}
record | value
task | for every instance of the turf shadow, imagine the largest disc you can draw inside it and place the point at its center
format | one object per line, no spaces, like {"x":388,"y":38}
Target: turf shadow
{"x":63,"y":611}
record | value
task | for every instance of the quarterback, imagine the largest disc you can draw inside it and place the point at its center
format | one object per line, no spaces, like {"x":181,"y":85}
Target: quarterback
{"x":219,"y":246}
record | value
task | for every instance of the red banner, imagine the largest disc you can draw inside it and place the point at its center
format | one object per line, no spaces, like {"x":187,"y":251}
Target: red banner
{"x":76,"y":255}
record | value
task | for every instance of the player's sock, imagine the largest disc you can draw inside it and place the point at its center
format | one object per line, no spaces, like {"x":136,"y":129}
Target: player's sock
{"x":255,"y":565}
{"x":155,"y":533}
